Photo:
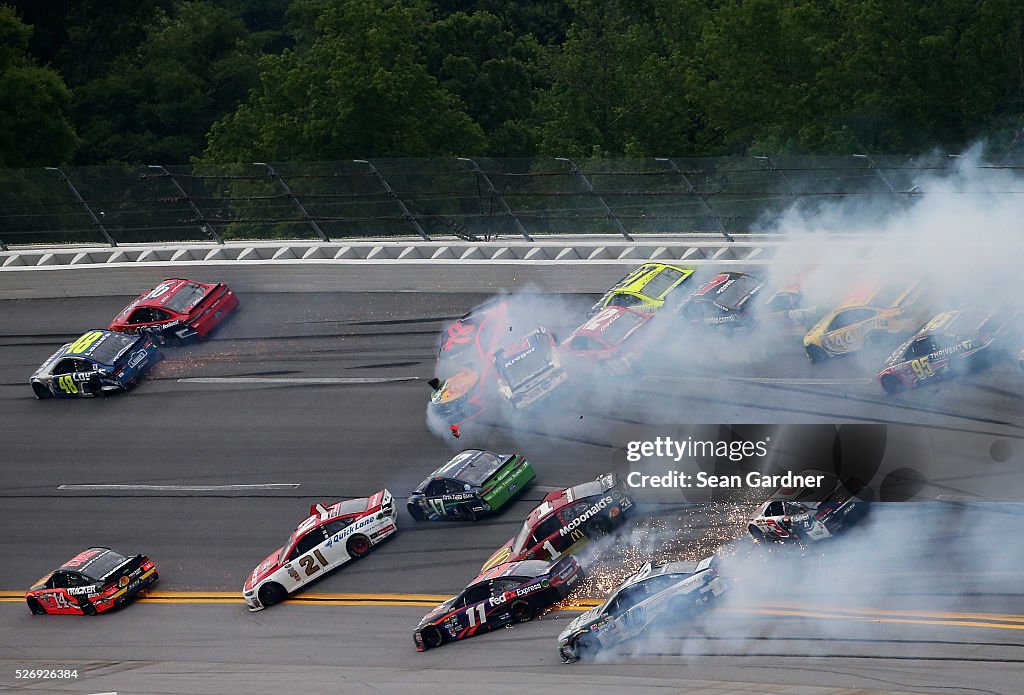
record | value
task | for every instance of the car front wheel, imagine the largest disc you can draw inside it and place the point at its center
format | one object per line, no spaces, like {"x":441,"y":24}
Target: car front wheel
{"x":271,"y":594}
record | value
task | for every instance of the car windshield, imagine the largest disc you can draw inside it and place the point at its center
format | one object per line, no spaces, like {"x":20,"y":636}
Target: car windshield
{"x":521,"y":538}
{"x":660,"y":283}
{"x":102,"y":565}
{"x":187,"y":297}
{"x":107,"y":348}
{"x":525,"y":365}
{"x":734,"y":294}
{"x":473,"y":467}
{"x":617,"y":330}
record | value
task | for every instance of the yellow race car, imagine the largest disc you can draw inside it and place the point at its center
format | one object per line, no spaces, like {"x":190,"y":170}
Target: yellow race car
{"x":873,"y":310}
{"x":644,"y":289}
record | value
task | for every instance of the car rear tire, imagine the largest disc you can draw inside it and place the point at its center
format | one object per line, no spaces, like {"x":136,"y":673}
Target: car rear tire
{"x":815,"y":354}
{"x":682,"y":607}
{"x":522,"y":611}
{"x":41,"y":391}
{"x":88,"y":608}
{"x":271,"y":594}
{"x":469,"y":514}
{"x":757,"y":534}
{"x":432,"y":637}
{"x":892,"y":384}
{"x":358,"y":546}
{"x":416,"y":512}
{"x":36,"y":607}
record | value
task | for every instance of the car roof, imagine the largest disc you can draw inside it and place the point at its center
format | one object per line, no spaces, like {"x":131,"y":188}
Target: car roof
{"x":959,"y":322}
{"x":722,"y":282}
{"x":521,"y":568}
{"x":462,"y":460}
{"x":87,"y":353}
{"x":599,"y":322}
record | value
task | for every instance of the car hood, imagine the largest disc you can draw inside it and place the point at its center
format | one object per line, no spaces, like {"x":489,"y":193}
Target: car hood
{"x":581,"y":622}
{"x":433,"y":615}
{"x":500,"y":556}
{"x":263,"y":570}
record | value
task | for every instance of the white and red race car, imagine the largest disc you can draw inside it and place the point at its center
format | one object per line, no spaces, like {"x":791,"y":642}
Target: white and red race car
{"x":612,"y":338}
{"x":806,"y":514}
{"x":326,"y":540}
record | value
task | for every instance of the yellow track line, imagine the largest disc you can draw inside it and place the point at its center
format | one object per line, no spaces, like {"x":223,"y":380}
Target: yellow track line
{"x":915,"y":617}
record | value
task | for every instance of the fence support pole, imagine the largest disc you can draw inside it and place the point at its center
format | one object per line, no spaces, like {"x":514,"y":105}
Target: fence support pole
{"x":494,"y":192}
{"x":692,"y":190}
{"x":295,"y":201}
{"x":772,"y":167}
{"x":391,"y":194}
{"x":206,"y":227}
{"x":590,"y":190}
{"x":872,"y":165}
{"x":81,"y":201}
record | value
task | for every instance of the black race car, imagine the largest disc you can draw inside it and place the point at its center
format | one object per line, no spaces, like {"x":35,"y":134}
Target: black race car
{"x":724,"y":300}
{"x":511,"y":593}
{"x":94,"y":581}
{"x":473,"y":484}
{"x":951,"y":344}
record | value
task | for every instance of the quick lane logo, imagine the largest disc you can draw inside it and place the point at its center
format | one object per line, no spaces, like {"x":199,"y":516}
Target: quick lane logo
{"x":582,"y":518}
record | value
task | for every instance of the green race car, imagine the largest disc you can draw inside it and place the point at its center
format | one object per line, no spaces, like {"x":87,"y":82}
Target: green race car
{"x":644,"y":289}
{"x":472,"y":485}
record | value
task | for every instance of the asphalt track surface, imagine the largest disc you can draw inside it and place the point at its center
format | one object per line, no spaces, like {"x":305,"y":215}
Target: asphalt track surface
{"x":263,"y":418}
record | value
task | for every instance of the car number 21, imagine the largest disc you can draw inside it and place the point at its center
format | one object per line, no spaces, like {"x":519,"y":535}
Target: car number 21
{"x":309,"y":564}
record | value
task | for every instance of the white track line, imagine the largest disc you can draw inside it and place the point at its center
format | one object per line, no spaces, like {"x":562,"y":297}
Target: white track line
{"x":769,"y":380}
{"x":181,"y":488}
{"x":311,"y":380}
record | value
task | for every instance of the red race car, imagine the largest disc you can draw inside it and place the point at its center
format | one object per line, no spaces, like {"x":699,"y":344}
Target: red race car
{"x":565,"y":521}
{"x":94,"y":581}
{"x":613,"y":338}
{"x":465,"y":382}
{"x":177,"y":310}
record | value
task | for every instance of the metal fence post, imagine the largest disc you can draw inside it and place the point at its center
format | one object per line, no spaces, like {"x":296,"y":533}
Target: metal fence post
{"x":206,"y":227}
{"x":772,"y":167}
{"x":295,"y":201}
{"x":871,"y":165}
{"x":81,"y":201}
{"x":494,"y":192}
{"x":693,"y":191}
{"x":391,"y":194}
{"x":590,"y":190}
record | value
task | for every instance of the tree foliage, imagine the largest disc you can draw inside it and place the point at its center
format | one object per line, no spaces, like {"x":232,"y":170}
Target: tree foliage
{"x":34,"y":125}
{"x":173,"y":80}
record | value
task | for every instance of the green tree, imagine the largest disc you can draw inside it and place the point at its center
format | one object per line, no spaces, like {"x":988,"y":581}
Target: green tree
{"x":617,"y":82}
{"x":360,"y":89}
{"x":157,"y":104}
{"x":493,"y":72}
{"x":34,"y":125}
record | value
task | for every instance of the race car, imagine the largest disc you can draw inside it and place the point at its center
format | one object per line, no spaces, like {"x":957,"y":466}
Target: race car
{"x":646,"y":288}
{"x":800,"y":515}
{"x":529,"y":370}
{"x":612,"y":338}
{"x":507,"y":594}
{"x":98,"y":363}
{"x":565,"y":521}
{"x":331,"y":536}
{"x":951,"y":344}
{"x":94,"y":581}
{"x":177,"y":311}
{"x":465,"y":383}
{"x":673,"y":591}
{"x":724,"y":300}
{"x":474,"y":484}
{"x":874,"y":310}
